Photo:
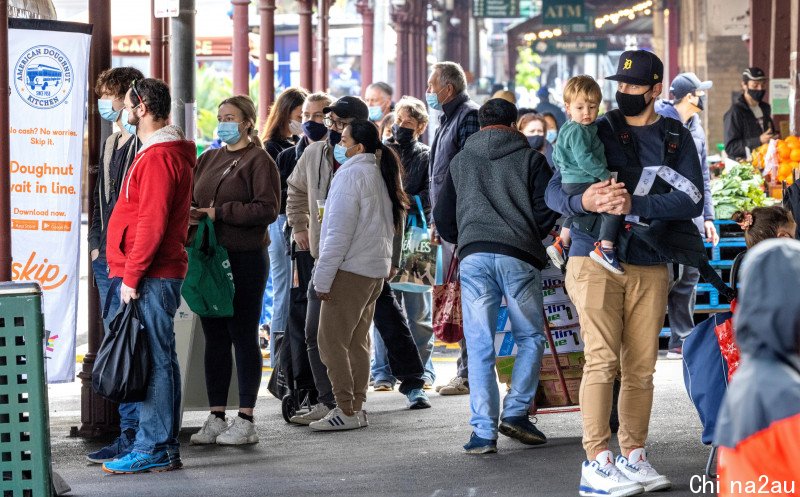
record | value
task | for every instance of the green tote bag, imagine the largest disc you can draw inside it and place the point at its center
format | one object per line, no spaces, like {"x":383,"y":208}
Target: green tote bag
{"x":208,"y":288}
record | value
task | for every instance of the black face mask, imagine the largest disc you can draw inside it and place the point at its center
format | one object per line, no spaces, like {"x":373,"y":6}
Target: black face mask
{"x":334,"y":137}
{"x":402,"y":136}
{"x":757,"y":95}
{"x":536,"y":141}
{"x":632,"y":105}
{"x":314,"y":131}
{"x":701,"y":103}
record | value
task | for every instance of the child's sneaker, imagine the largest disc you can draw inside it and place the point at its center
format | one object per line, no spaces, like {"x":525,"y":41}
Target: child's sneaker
{"x":558,"y":253}
{"x":636,"y":468}
{"x":601,"y":478}
{"x":607,"y":257}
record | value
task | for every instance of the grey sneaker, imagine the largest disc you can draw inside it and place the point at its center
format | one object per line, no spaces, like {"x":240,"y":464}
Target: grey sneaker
{"x":457,"y":386}
{"x":212,"y":428}
{"x":318,"y":412}
{"x":241,"y":432}
{"x":383,"y":386}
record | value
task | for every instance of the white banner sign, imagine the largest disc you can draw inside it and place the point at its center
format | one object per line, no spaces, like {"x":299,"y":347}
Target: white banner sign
{"x":48,"y":69}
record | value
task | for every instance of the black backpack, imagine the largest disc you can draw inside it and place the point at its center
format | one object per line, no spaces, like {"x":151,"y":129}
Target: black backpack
{"x":676,"y":241}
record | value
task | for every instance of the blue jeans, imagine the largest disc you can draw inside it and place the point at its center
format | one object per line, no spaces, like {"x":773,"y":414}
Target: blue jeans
{"x":485,"y":279}
{"x":128,"y":412}
{"x":160,"y":412}
{"x":280,"y":270}
{"x":418,"y":308}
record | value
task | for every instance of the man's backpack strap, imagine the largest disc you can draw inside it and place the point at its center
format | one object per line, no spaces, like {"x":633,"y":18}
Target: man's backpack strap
{"x":624,"y":135}
{"x":672,"y":142}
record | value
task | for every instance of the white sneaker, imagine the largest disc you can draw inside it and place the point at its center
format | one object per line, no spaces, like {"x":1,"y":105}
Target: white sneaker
{"x":336,"y":420}
{"x":318,"y":412}
{"x":636,"y":468}
{"x":362,"y":418}
{"x":600,"y":478}
{"x":457,"y":386}
{"x":212,"y":428}
{"x":241,"y":432}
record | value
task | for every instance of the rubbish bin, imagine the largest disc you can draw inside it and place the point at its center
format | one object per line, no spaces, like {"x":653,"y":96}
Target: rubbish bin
{"x":24,"y":426}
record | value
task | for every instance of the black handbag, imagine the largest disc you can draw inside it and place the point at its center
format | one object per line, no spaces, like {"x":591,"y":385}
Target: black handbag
{"x":122,"y":368}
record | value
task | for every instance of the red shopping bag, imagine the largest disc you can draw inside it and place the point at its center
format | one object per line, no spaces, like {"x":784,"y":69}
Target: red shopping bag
{"x":447,"y":320}
{"x":727,"y":342}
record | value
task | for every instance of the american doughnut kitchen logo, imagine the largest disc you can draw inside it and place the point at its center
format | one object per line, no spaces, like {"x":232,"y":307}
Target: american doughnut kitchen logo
{"x":43,"y":77}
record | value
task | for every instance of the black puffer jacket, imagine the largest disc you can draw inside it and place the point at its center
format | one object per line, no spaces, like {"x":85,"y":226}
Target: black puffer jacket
{"x":286,"y":162}
{"x":743,"y":129}
{"x":415,"y":158}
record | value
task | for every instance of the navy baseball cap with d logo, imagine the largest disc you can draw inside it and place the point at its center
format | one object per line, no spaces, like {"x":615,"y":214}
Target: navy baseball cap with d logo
{"x":639,"y":67}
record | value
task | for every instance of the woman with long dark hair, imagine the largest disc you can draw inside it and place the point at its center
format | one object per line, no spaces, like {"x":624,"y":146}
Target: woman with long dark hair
{"x":284,"y":127}
{"x":363,"y":212}
{"x":282,"y":131}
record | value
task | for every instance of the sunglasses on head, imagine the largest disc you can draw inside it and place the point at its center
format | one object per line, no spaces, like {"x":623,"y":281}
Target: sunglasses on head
{"x":135,"y":92}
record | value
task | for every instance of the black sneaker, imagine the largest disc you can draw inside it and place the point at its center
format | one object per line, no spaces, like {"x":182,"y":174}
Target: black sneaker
{"x":120,"y":447}
{"x":521,"y":428}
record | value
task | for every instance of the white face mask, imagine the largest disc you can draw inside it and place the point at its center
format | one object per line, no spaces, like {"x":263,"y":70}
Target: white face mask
{"x":296,"y":128}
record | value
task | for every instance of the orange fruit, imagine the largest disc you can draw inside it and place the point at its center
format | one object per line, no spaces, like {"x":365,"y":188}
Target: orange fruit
{"x":791,"y":139}
{"x":784,"y":152}
{"x":794,"y":155}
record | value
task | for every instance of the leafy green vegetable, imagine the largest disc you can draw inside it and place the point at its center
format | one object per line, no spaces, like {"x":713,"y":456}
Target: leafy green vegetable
{"x":739,"y":187}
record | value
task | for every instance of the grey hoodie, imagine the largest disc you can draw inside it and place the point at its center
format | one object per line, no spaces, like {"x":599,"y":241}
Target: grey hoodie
{"x":766,"y":387}
{"x":492,"y":200}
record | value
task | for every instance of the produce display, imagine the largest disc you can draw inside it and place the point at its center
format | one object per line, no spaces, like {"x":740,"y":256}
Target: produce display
{"x":778,"y":158}
{"x":739,"y":187}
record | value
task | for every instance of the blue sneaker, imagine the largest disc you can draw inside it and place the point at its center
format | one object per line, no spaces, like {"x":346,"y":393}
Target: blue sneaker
{"x":478,"y":445}
{"x":120,"y":447}
{"x":138,"y":462}
{"x":521,"y":428}
{"x":417,"y":399}
{"x":607,"y":257}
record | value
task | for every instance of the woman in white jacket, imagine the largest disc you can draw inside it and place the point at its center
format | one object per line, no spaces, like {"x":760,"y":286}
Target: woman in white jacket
{"x":364,"y":210}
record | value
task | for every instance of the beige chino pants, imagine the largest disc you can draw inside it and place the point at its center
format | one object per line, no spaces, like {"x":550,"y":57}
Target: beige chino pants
{"x":343,"y":338}
{"x":621,"y":317}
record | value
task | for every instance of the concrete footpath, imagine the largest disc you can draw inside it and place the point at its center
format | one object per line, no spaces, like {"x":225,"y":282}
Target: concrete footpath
{"x":401,"y":453}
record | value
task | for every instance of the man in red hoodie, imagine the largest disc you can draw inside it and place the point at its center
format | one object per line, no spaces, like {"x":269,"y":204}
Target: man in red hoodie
{"x":146,"y":258}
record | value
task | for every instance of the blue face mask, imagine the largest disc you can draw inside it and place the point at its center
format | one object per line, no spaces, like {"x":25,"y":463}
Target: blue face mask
{"x":375,"y":113}
{"x":106,"y":109}
{"x":551,"y":136}
{"x":130,"y":128}
{"x":340,"y":153}
{"x":433,"y":101}
{"x":229,"y":132}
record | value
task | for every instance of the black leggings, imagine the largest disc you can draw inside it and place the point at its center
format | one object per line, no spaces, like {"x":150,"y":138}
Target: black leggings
{"x":250,"y":271}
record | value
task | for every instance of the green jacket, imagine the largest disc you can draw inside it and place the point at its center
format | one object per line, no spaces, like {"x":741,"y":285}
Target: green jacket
{"x":580,"y":155}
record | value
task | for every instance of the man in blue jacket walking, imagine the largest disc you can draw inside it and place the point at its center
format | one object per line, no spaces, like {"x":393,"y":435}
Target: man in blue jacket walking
{"x":689,"y":95}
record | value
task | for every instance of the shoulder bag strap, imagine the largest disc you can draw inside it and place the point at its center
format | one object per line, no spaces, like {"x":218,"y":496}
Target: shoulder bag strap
{"x":227,"y":171}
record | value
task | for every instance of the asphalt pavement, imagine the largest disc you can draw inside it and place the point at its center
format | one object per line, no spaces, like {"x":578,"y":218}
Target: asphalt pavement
{"x":401,"y":453}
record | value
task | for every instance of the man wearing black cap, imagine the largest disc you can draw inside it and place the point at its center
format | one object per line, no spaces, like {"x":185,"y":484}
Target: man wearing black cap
{"x":689,"y":95}
{"x":622,"y":315}
{"x":748,"y":123}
